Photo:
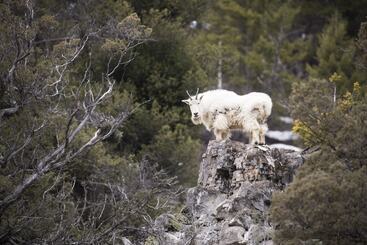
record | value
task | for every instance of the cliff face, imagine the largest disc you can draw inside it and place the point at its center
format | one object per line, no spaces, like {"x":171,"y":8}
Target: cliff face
{"x":231,"y":202}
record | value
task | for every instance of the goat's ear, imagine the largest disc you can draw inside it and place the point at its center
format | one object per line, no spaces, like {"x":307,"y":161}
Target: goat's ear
{"x":186,"y":101}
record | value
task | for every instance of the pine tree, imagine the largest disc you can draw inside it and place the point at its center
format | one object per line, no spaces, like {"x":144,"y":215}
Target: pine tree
{"x":261,"y":47}
{"x":336,"y":54}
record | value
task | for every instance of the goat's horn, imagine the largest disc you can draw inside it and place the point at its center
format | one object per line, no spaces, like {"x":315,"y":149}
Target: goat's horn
{"x":197,"y":92}
{"x":187,"y":92}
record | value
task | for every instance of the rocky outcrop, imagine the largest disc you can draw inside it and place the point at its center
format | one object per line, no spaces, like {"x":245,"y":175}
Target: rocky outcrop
{"x":231,"y":202}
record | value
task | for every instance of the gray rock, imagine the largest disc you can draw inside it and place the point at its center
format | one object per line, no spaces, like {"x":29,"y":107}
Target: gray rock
{"x":175,"y":238}
{"x":258,"y":234}
{"x":207,"y":234}
{"x":232,"y":235}
{"x":163,"y":222}
{"x":231,"y":202}
{"x":236,"y":222}
{"x":126,"y":241}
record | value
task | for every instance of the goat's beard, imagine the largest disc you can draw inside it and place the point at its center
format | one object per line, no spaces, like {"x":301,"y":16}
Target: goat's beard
{"x":196,"y":120}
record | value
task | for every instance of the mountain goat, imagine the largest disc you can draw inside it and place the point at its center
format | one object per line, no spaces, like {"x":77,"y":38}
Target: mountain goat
{"x":222,"y":110}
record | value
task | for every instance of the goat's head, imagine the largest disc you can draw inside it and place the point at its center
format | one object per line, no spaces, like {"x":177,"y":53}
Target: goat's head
{"x":194,"y":103}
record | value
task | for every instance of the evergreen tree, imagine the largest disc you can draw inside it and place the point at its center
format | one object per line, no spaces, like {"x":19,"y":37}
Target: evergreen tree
{"x":325,"y":203}
{"x":262,"y":48}
{"x":60,"y":96}
{"x":165,"y":67}
{"x":336,"y":54}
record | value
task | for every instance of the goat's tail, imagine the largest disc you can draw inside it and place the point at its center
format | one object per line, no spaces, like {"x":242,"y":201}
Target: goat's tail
{"x":262,"y":111}
{"x":267,"y":107}
{"x":263,"y":108}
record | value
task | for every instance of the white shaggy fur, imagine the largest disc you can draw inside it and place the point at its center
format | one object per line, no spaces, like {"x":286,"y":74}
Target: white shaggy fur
{"x":222,"y":110}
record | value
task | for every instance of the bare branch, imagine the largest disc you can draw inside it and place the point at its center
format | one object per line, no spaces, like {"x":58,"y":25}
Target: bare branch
{"x":8,"y":111}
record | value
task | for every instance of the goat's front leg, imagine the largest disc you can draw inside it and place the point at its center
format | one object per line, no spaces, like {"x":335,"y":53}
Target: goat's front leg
{"x":218,"y":134}
{"x":253,"y":127}
{"x":226,"y":134}
{"x":255,"y":137}
{"x":263,"y":129}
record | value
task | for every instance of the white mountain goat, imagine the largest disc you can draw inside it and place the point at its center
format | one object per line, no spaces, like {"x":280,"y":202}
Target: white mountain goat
{"x":222,"y":110}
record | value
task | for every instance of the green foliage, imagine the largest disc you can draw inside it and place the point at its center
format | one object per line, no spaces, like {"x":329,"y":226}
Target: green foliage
{"x":165,"y":68}
{"x":161,"y":72}
{"x":261,"y":47}
{"x":315,"y":13}
{"x":82,"y":200}
{"x":315,"y":114}
{"x":322,"y":206}
{"x":311,"y":101}
{"x":362,"y":46}
{"x":335,"y":54}
{"x":176,"y":151}
{"x":265,"y":45}
{"x":325,"y":202}
{"x":184,"y":11}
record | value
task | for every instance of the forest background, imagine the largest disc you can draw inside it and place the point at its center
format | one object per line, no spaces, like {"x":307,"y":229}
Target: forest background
{"x":94,"y":139}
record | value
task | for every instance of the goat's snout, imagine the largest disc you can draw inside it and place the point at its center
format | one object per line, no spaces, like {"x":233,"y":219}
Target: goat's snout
{"x":196,"y":114}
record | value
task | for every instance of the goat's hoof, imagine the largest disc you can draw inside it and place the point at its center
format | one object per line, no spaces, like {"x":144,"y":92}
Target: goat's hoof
{"x":256,"y":143}
{"x":261,"y":143}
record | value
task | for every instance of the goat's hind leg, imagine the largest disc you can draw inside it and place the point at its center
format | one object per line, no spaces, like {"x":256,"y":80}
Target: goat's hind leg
{"x":253,"y":128}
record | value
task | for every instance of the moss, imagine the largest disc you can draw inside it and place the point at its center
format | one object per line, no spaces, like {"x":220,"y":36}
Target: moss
{"x":151,"y":240}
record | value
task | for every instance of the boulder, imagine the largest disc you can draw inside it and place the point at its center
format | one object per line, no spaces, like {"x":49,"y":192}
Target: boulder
{"x":230,"y":204}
